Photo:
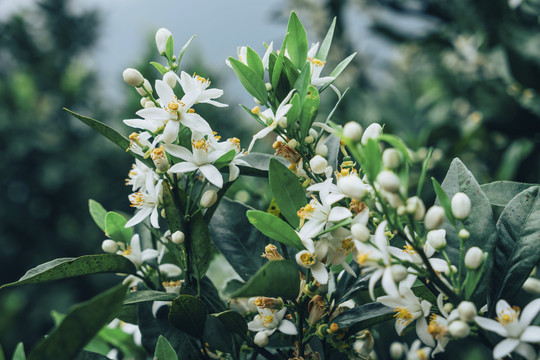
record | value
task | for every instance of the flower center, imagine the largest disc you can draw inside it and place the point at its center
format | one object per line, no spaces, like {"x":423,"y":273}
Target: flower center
{"x":127,"y":251}
{"x":316,"y":62}
{"x":409,"y":250}
{"x":421,"y":355}
{"x":307,"y":258}
{"x":202,"y":80}
{"x":508,"y":315}
{"x":403,"y":316}
{"x":347,"y":245}
{"x":158,"y":153}
{"x":172,"y":287}
{"x":306,"y":211}
{"x":200,"y":144}
{"x":137,"y":199}
{"x":362,"y":257}
{"x":267,"y":320}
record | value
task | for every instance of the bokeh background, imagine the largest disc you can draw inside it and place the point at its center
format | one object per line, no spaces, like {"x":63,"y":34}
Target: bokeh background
{"x":459,"y":76}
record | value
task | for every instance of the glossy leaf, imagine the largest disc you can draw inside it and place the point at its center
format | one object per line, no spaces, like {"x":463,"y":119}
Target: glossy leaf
{"x":98,"y":213}
{"x":148,"y":295}
{"x":274,"y":279}
{"x":287,"y":191}
{"x":218,"y":336}
{"x":363,"y":316}
{"x":188,"y":313}
{"x":89,"y":355}
{"x":325,"y":45}
{"x":500,"y":193}
{"x":159,"y":67}
{"x":184,"y":48}
{"x":277,"y":67}
{"x":19,"y":353}
{"x":200,"y":245}
{"x":302,"y":82}
{"x":294,"y":112}
{"x":275,"y":228}
{"x":225,"y":159}
{"x":173,"y":211}
{"x":518,"y":249}
{"x":255,"y":62}
{"x":310,"y":108}
{"x":251,"y":81}
{"x":233,"y":321}
{"x":164,"y":350}
{"x":169,"y":48}
{"x":81,"y":324}
{"x":297,"y":46}
{"x":373,"y":159}
{"x":70,"y":267}
{"x":115,"y":228}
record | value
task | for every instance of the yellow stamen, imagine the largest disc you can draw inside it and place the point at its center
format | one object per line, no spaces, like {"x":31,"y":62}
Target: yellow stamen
{"x":137,"y":199}
{"x":158,"y":153}
{"x":409,"y":250}
{"x":362,"y":257}
{"x":403,"y":316}
{"x":255,"y":110}
{"x":306,"y":211}
{"x":421,"y":355}
{"x":200,"y":144}
{"x":316,"y":62}
{"x":134,"y":136}
{"x":307,"y":258}
{"x":127,"y":251}
{"x":191,"y":111}
{"x":267,"y":320}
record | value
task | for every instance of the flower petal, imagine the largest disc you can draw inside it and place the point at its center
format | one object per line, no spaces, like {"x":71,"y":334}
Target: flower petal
{"x":529,"y":312}
{"x":183,"y":167}
{"x":526,"y":350}
{"x":179,"y":152}
{"x":170,"y":133}
{"x":531,"y":334}
{"x":422,"y":332}
{"x":154,"y":113}
{"x":139,"y":216}
{"x":212,"y":174}
{"x":491,"y":325}
{"x":320,"y":273}
{"x":195,"y":122}
{"x":504,"y":348}
{"x":154,"y":218}
{"x":339,"y":213}
{"x":287,"y":327}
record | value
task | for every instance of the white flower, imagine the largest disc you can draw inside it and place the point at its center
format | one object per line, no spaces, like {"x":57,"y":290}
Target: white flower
{"x":438,"y":326}
{"x":518,"y":332}
{"x":162,"y":36}
{"x":417,"y":353}
{"x":201,"y":159}
{"x":312,"y":260}
{"x":198,"y":85}
{"x":270,"y":320}
{"x":135,"y":253}
{"x":147,"y":202}
{"x":316,"y":67}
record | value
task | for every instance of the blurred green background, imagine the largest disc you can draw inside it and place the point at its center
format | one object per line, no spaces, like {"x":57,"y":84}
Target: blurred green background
{"x":460,"y":76}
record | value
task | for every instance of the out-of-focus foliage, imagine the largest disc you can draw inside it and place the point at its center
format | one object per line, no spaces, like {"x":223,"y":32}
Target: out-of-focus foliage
{"x":51,"y":164}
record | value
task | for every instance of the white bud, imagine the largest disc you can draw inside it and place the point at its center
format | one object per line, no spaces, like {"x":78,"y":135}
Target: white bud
{"x":352,"y":186}
{"x":318,"y":164}
{"x":178,"y":237}
{"x":268,"y":86}
{"x":282,"y":122}
{"x":141,"y":89}
{"x":396,"y":350}
{"x":474,"y":258}
{"x":415,"y":206}
{"x":163,"y":213}
{"x":353,"y":130}
{"x":321,"y":149}
{"x":162,"y":36}
{"x":133,"y":77}
{"x":459,"y":329}
{"x":261,"y":339}
{"x":461,"y":206}
{"x":532,"y":286}
{"x":292,"y":144}
{"x":149,"y":104}
{"x":401,"y":210}
{"x":109,"y":246}
{"x":313,"y":133}
{"x":434,"y":217}
{"x":309,"y":139}
{"x":143,"y":101}
{"x":466,"y":311}
{"x":448,"y":307}
{"x":388,"y":181}
{"x":399,"y":272}
{"x":373,"y":131}
{"x":170,"y":79}
{"x":257,"y":101}
{"x":209,"y":198}
{"x":464,"y":234}
{"x":360,"y":232}
{"x":391,"y":158}
{"x":437,"y":239}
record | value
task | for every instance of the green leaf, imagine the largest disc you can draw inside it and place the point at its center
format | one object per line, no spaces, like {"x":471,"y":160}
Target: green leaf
{"x":218,"y":336}
{"x":225,"y":159}
{"x":500,"y":193}
{"x":169,"y":48}
{"x":294,"y":112}
{"x":444,"y":201}
{"x":422,"y":178}
{"x":81,"y":324}
{"x":98,"y":213}
{"x":278,"y":65}
{"x":373,"y":159}
{"x":363,"y":316}
{"x":257,"y":164}
{"x":257,"y":118}
{"x":297,"y":43}
{"x":397,"y":143}
{"x":159,"y":67}
{"x":70,"y":267}
{"x":251,"y":81}
{"x":233,"y":321}
{"x":236,"y":239}
{"x":287,"y":191}
{"x":115,"y":228}
{"x":19,"y":353}
{"x":325,"y":46}
{"x":200,"y":246}
{"x":164,"y":350}
{"x":2,"y":356}
{"x":188,"y":313}
{"x":89,"y":355}
{"x":184,"y":48}
{"x":275,"y":228}
{"x":255,"y":62}
{"x":173,"y":212}
{"x":302,"y":82}
{"x":112,"y":135}
{"x":473,"y":278}
{"x":338,"y":70}
{"x":518,"y":249}
{"x":275,"y":279}
{"x":310,"y":108}
{"x":148,"y":295}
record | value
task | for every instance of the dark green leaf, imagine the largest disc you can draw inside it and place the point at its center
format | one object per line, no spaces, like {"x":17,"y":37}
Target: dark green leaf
{"x":294,"y":112}
{"x":257,"y":164}
{"x":310,"y":108}
{"x":89,"y":355}
{"x":211,"y":296}
{"x":297,"y":42}
{"x":373,"y":159}
{"x":287,"y":190}
{"x":159,"y":67}
{"x":348,"y":286}
{"x":98,"y":213}
{"x":200,"y":245}
{"x":188,"y":313}
{"x":164,"y":350}
{"x":233,"y":321}
{"x":302,"y":82}
{"x":363,"y":316}
{"x":19,"y":353}
{"x":251,"y":81}
{"x":233,"y":236}
{"x":81,"y":324}
{"x":225,"y":159}
{"x":173,"y":211}
{"x":325,"y":46}
{"x":275,"y":228}
{"x":148,"y":295}
{"x":443,"y":200}
{"x":184,"y":48}
{"x":70,"y":267}
{"x":255,"y":62}
{"x":218,"y":336}
{"x":112,"y":135}
{"x":518,"y":249}
{"x":278,"y":65}
{"x":500,"y":193}
{"x":275,"y":279}
{"x":169,"y":48}
{"x":115,"y":228}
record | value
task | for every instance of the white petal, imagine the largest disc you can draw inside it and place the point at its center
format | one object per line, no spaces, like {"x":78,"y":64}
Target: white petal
{"x":375,"y":276}
{"x":422,"y":332}
{"x":491,"y":325}
{"x":139,"y":216}
{"x":183,"y":167}
{"x":504,"y":348}
{"x":154,"y":218}
{"x":529,"y":312}
{"x":526,"y":350}
{"x":141,"y":124}
{"x":339,"y":213}
{"x":320,"y":273}
{"x":312,"y":227}
{"x":287,"y":327}
{"x":234,"y":172}
{"x":531,"y":334}
{"x":158,"y":304}
{"x":388,"y":283}
{"x":212,"y":174}
{"x":170,"y":270}
{"x":210,"y":94}
{"x":308,"y":244}
{"x":179,"y":152}
{"x":170,"y":133}
{"x":164,"y":91}
{"x":195,"y":122}
{"x":154,"y":113}
{"x":261,"y":134}
{"x":501,"y":306}
{"x":149,"y":254}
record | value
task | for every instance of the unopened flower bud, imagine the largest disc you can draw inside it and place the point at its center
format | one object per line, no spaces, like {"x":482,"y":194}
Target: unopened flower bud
{"x":372,"y":132}
{"x":474,"y":258}
{"x":316,"y":309}
{"x":133,"y":77}
{"x":352,"y":186}
{"x":313,"y":133}
{"x":459,"y":329}
{"x":178,"y":237}
{"x":532,"y":286}
{"x":353,"y":130}
{"x":292,"y":144}
{"x":415,"y":206}
{"x":209,"y":198}
{"x":437,"y":239}
{"x":401,"y":210}
{"x":360,"y":232}
{"x":145,"y":89}
{"x":149,"y":104}
{"x":448,"y":307}
{"x":261,"y":339}
{"x":434,"y":217}
{"x":464,"y":234}
{"x":162,"y":36}
{"x":321,"y":150}
{"x":160,"y":159}
{"x":388,"y":181}
{"x":170,"y":79}
{"x":318,"y":164}
{"x":283,"y":122}
{"x":143,"y":101}
{"x":268,"y":86}
{"x":396,"y":350}
{"x":309,"y":139}
{"x":399,"y":272}
{"x":391,"y":158}
{"x":109,"y":246}
{"x":466,"y":311}
{"x":163,"y":213}
{"x":461,"y":206}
